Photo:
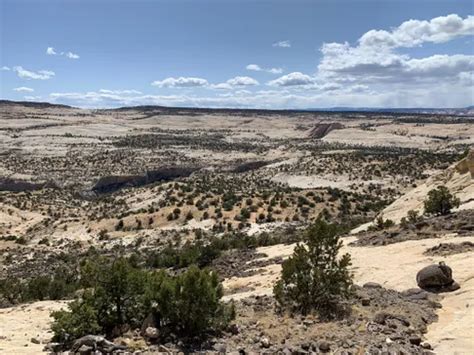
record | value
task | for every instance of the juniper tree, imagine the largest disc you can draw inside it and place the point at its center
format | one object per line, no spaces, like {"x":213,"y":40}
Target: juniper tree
{"x":315,"y":278}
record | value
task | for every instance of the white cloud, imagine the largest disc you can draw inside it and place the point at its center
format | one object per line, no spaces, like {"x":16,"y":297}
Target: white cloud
{"x":445,"y":95}
{"x":282,"y":44}
{"x":181,"y":82}
{"x":292,"y":79}
{"x":71,"y":55}
{"x":23,"y":89}
{"x":222,"y":86}
{"x":415,"y":32}
{"x":275,"y":70}
{"x":253,"y":67}
{"x":32,"y":98}
{"x":375,"y":59}
{"x":39,"y":75}
{"x":256,"y":67}
{"x":242,"y":81}
{"x":120,"y":92}
{"x":5,"y":68}
{"x":51,"y":51}
{"x":236,"y":82}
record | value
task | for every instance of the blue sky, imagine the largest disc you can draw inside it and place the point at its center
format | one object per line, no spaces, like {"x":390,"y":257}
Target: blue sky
{"x":265,"y":54}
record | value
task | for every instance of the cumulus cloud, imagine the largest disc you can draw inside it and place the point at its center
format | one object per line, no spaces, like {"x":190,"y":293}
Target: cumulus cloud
{"x":282,"y":44}
{"x":120,"y":92}
{"x":181,"y":82}
{"x":242,"y":81}
{"x":70,"y":55}
{"x":51,"y":51}
{"x":447,"y":94}
{"x":256,"y":67}
{"x":236,"y":82}
{"x":39,"y":75}
{"x":415,"y":32}
{"x":5,"y":68}
{"x":23,"y":89}
{"x":292,"y":79}
{"x":375,"y":58}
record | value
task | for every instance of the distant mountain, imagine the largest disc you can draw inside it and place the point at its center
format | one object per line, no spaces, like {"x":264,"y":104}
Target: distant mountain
{"x":32,"y":104}
{"x":426,"y":110}
{"x":463,"y":111}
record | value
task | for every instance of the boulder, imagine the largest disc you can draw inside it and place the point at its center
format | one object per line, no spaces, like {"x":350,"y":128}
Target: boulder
{"x":324,"y":346}
{"x":436,"y":278}
{"x":151,"y":333}
{"x":95,"y":342}
{"x":264,"y":342}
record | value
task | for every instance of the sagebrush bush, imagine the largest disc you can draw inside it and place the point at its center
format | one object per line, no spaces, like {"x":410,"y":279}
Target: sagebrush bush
{"x":315,"y":278}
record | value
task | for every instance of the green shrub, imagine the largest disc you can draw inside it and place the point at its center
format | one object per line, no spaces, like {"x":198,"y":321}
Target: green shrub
{"x":121,"y":296}
{"x":58,"y":286}
{"x":117,"y":291}
{"x":381,"y":224}
{"x":440,"y":201}
{"x":314,"y":278}
{"x":190,"y":302}
{"x":79,"y":320}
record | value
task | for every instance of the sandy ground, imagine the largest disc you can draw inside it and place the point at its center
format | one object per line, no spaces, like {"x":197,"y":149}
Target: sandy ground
{"x":317,"y":181}
{"x":18,"y":325}
{"x":395,"y":266}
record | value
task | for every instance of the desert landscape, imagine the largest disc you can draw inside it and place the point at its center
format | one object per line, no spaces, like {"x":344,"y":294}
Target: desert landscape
{"x":233,"y":191}
{"x":236,"y":177}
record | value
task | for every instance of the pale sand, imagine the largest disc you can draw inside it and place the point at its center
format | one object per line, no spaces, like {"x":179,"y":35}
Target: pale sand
{"x":317,"y":181}
{"x":395,"y":266}
{"x":19,"y":324}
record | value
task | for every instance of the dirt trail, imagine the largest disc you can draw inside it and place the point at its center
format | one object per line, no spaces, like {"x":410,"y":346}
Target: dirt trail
{"x":395,"y":266}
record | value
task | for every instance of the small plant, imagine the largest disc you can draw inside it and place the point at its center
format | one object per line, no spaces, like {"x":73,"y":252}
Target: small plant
{"x":381,"y":224}
{"x":314,"y":278}
{"x":440,"y":201}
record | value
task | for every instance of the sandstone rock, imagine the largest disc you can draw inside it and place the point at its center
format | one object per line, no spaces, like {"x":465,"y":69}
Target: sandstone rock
{"x":372,"y":285}
{"x":426,"y":345}
{"x":380,"y":317}
{"x":85,"y":350}
{"x":264,"y":342}
{"x":436,"y":278}
{"x":52,"y":347}
{"x":324,"y":346}
{"x":152,"y":333}
{"x":220,"y":348}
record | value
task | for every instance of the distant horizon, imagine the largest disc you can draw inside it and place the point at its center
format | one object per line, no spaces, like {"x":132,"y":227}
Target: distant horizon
{"x":308,"y":109}
{"x":277,"y":55}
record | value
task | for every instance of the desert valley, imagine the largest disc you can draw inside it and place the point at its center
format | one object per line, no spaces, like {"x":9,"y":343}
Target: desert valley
{"x":159,"y":189}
